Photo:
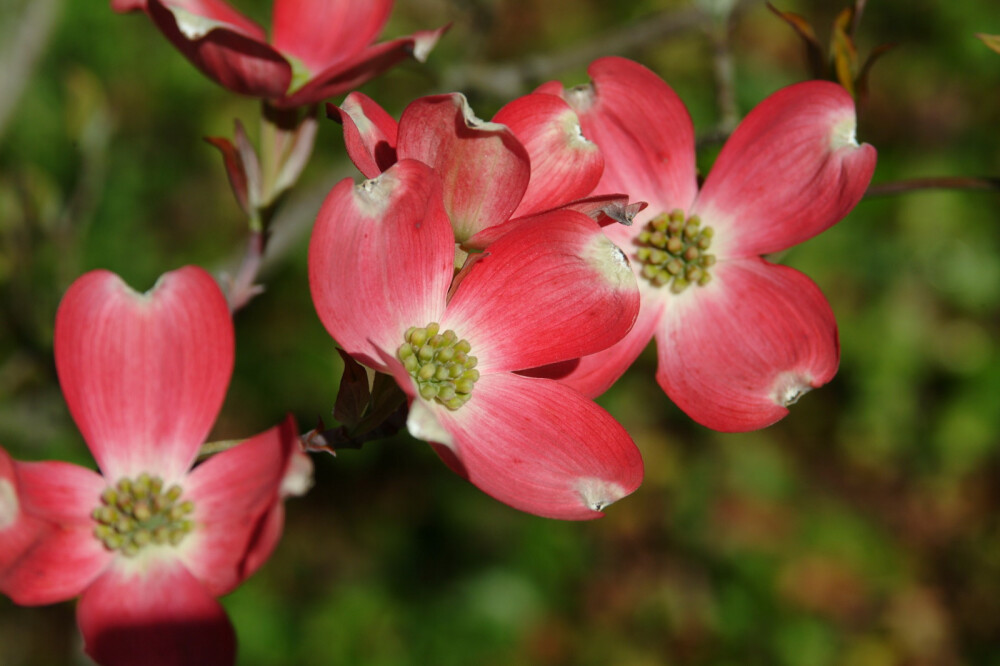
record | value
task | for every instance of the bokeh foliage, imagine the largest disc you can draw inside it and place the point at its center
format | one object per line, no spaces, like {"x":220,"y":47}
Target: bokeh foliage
{"x":860,"y":531}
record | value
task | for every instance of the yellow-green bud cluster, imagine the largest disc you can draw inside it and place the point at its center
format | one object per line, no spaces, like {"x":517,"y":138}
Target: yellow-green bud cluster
{"x":440,"y":364}
{"x":136,"y":513}
{"x":672,"y":251}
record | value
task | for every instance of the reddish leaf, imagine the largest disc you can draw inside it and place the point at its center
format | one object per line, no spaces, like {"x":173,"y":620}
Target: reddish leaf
{"x":861,"y":83}
{"x":234,"y":169}
{"x":354,"y":395}
{"x":387,"y":398}
{"x":814,"y":52}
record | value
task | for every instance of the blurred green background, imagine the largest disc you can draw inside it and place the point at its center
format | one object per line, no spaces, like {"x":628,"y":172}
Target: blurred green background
{"x":860,"y":531}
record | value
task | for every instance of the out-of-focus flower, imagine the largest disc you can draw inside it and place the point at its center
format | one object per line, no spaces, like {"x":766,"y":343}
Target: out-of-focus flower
{"x":380,"y":268}
{"x":19,"y":531}
{"x":318,"y":48}
{"x":150,"y":542}
{"x":739,"y":338}
{"x":530,"y":158}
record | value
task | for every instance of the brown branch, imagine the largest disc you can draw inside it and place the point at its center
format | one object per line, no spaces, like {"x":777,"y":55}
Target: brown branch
{"x":242,"y":288}
{"x":719,"y":34}
{"x":941,"y":183}
{"x":512,"y":79}
{"x":291,"y":223}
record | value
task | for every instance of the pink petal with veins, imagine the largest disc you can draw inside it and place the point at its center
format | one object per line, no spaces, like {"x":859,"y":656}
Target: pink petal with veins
{"x":736,"y":352}
{"x":229,"y":49}
{"x":484,"y":169}
{"x":369,"y":133}
{"x":144,"y":375}
{"x":594,"y":374}
{"x":68,"y":556}
{"x":643,"y":129}
{"x":380,"y":259}
{"x":565,"y":166}
{"x":541,"y":447}
{"x":322,"y":33}
{"x":233,"y":492}
{"x":361,"y":68}
{"x":790,"y":170}
{"x":552,"y":289}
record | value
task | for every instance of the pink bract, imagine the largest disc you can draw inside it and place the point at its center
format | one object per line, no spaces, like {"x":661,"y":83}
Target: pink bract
{"x":381,"y":260}
{"x":19,"y":531}
{"x":530,"y":158}
{"x":318,"y":48}
{"x":736,"y":351}
{"x":144,"y":376}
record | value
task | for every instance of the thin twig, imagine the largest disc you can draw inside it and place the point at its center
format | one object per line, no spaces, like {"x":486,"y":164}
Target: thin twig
{"x":242,"y":288}
{"x":719,"y":34}
{"x":512,"y":79}
{"x":292,"y":221}
{"x":712,"y":137}
{"x":939,"y":183}
{"x":26,"y":38}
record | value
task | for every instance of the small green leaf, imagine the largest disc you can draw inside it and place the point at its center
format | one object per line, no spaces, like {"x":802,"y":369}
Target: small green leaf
{"x":843,"y":52}
{"x":991,"y":41}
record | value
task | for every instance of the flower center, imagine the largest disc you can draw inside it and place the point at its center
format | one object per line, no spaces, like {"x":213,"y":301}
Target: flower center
{"x":672,"y":250}
{"x":136,"y":513}
{"x":440,"y":364}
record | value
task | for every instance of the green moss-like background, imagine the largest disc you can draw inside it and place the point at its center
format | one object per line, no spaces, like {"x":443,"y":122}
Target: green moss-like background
{"x":862,"y":530}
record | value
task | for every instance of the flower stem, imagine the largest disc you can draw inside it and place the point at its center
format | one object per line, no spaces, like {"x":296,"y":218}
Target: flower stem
{"x":242,"y":288}
{"x":211,"y":448}
{"x":938,"y":183}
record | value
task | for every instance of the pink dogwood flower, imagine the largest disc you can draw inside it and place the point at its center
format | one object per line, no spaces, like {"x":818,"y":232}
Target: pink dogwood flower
{"x":381,"y":262}
{"x":738,"y":338}
{"x":149,"y":542}
{"x":318,"y":49}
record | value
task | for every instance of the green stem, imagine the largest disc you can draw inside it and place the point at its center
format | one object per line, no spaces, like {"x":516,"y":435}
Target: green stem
{"x":211,"y":448}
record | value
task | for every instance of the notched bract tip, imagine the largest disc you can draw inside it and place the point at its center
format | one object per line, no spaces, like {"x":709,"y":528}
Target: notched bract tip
{"x":611,"y":262}
{"x":580,"y":98}
{"x":472,"y":121}
{"x":425,"y":41}
{"x":9,"y":506}
{"x":789,"y":387}
{"x":844,"y":134}
{"x":191,"y":25}
{"x":598,"y":494}
{"x":373,"y":195}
